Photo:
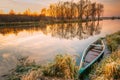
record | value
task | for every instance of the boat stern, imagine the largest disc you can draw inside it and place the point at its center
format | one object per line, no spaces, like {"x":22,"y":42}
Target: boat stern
{"x":81,"y":70}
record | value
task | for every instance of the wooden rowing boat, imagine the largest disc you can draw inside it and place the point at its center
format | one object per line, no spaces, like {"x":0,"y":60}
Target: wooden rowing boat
{"x":91,"y":54}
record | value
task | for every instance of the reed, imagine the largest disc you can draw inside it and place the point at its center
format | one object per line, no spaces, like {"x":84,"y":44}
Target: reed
{"x":23,"y":66}
{"x":108,"y":68}
{"x":63,"y":66}
{"x":32,"y":75}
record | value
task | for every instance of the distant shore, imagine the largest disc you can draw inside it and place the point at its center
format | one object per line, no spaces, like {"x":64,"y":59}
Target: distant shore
{"x":53,"y":21}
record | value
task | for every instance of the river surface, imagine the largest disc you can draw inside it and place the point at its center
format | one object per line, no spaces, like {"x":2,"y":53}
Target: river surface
{"x":43,"y":42}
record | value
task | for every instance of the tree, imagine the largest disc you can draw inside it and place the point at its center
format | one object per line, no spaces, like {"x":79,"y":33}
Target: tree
{"x":93,"y":11}
{"x":1,"y":11}
{"x":34,"y":14}
{"x":27,"y":12}
{"x":99,"y":10}
{"x":12,"y":12}
{"x":52,"y":10}
{"x":87,"y":9}
{"x":70,"y":10}
{"x":43,"y":12}
{"x":61,"y":10}
{"x":81,"y":7}
{"x":74,"y":10}
{"x":66,"y":10}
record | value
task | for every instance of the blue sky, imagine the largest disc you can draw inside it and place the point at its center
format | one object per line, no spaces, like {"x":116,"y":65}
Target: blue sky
{"x":111,"y":6}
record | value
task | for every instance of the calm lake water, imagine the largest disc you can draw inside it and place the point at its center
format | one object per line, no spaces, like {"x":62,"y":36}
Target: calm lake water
{"x":42,"y":43}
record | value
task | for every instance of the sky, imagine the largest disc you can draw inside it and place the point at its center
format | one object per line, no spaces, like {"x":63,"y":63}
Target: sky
{"x":111,"y":7}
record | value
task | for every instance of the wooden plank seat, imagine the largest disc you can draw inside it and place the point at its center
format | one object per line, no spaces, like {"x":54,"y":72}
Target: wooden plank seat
{"x":96,"y":50}
{"x":96,"y":45}
{"x":93,"y":52}
{"x":99,"y":47}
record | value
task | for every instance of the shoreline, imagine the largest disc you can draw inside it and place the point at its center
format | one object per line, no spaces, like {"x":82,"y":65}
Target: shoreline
{"x":37,"y":23}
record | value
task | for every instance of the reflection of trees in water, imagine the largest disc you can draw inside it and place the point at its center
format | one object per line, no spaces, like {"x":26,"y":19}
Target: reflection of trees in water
{"x":15,"y":30}
{"x":75,"y":30}
{"x":62,"y":31}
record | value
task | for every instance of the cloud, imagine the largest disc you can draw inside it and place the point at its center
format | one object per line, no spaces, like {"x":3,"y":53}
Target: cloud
{"x":20,"y":6}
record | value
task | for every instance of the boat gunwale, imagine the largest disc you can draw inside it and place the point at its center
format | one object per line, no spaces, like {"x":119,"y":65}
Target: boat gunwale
{"x":84,"y":53}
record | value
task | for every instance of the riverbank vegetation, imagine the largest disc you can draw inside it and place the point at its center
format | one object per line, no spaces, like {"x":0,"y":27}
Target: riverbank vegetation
{"x":109,"y":67}
{"x":63,"y":67}
{"x":113,"y":41}
{"x":61,"y":11}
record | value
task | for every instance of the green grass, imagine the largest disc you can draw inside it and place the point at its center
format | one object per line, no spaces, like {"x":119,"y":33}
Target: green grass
{"x":113,"y":41}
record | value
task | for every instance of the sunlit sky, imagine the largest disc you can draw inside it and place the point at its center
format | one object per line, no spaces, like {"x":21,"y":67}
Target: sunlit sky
{"x":111,"y":6}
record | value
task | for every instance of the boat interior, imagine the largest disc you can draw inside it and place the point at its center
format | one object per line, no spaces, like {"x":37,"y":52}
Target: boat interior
{"x":94,"y":50}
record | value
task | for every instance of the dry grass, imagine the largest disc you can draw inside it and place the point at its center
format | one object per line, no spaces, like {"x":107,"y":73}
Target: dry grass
{"x":108,"y":69}
{"x":32,"y":75}
{"x":23,"y":67}
{"x":63,"y":66}
{"x":113,"y":41}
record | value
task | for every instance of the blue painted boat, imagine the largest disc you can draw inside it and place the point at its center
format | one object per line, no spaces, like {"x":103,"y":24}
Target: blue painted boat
{"x":91,"y":54}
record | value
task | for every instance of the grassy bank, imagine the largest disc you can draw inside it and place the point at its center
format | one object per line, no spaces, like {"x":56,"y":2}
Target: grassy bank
{"x":109,"y":67}
{"x":62,"y":68}
{"x":113,"y":41}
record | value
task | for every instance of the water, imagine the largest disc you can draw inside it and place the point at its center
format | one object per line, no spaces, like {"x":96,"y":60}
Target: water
{"x":42,"y":43}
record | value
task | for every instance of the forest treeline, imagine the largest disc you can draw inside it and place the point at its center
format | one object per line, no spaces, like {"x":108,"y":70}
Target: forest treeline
{"x":69,"y":10}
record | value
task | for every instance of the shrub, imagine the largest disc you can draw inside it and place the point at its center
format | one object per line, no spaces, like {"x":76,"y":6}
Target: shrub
{"x":63,"y":66}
